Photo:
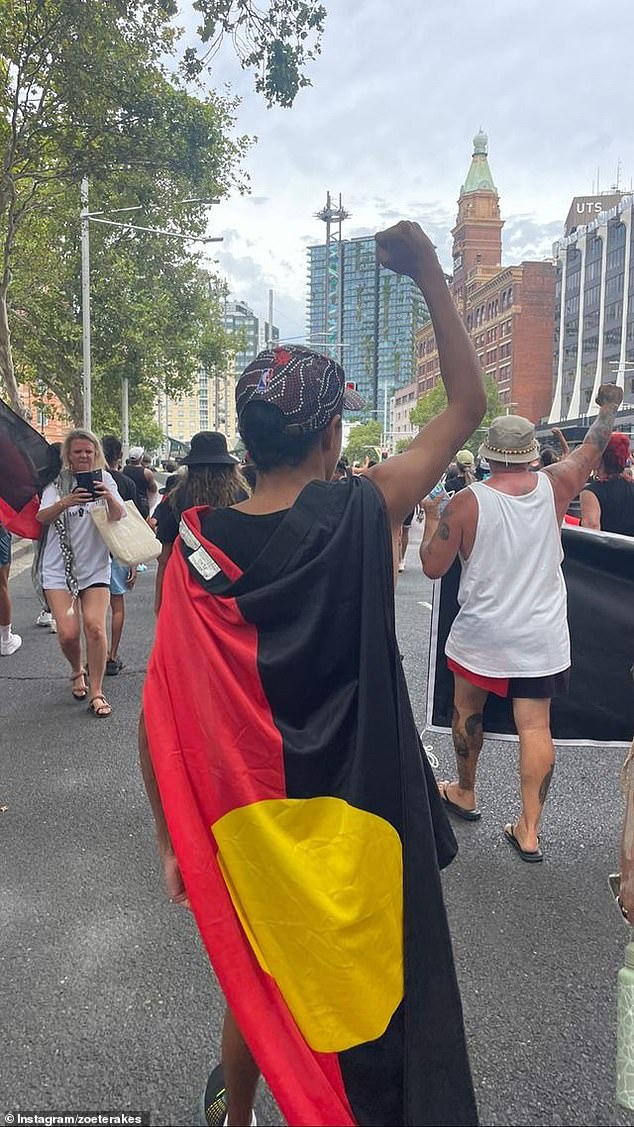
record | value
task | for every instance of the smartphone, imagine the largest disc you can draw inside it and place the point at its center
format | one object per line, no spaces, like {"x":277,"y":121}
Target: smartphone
{"x":87,"y":481}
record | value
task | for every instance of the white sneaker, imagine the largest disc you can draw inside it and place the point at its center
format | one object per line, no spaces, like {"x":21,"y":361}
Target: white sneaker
{"x":53,"y":626}
{"x":401,"y":566}
{"x":44,"y":618}
{"x":8,"y":647}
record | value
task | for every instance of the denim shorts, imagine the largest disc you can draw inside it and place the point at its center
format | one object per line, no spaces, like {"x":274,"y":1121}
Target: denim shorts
{"x":5,"y":547}
{"x":118,"y":578}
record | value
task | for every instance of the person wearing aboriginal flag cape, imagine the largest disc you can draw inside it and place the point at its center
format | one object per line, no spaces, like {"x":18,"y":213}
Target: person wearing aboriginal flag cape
{"x":296,"y":811}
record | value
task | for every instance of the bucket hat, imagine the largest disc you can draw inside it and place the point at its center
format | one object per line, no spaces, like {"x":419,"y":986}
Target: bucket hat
{"x":209,"y":447}
{"x":510,"y":439}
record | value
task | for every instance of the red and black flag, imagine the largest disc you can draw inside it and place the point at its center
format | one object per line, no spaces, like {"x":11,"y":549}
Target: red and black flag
{"x":305,"y":817}
{"x":27,"y":465}
{"x":598,"y":569}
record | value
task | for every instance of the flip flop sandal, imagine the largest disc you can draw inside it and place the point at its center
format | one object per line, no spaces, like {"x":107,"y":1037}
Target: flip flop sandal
{"x":530,"y":855}
{"x":459,"y":811}
{"x":100,"y":710}
{"x":79,"y":694}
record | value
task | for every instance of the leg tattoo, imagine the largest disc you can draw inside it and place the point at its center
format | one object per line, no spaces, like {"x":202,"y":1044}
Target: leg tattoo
{"x":473,"y":728}
{"x":467,"y":739}
{"x":459,"y":738}
{"x":545,"y":785}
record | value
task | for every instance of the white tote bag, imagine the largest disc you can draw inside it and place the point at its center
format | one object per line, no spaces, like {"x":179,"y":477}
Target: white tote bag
{"x":129,"y":540}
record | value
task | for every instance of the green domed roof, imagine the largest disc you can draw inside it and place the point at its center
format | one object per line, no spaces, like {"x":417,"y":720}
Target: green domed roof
{"x":479,"y":176}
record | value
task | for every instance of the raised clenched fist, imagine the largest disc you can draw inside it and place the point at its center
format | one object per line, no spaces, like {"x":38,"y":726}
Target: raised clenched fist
{"x":405,"y":249}
{"x":609,"y":393}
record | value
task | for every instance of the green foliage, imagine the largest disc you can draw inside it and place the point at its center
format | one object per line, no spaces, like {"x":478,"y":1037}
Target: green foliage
{"x":364,"y":441}
{"x":84,"y":90}
{"x":276,"y":42}
{"x":429,"y":405}
{"x":435,"y":401}
{"x":90,"y":88}
{"x":402,"y":444}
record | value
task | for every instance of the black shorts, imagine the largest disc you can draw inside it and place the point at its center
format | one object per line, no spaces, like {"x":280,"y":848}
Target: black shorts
{"x":540,"y":688}
{"x":524,"y":688}
{"x":408,"y":519}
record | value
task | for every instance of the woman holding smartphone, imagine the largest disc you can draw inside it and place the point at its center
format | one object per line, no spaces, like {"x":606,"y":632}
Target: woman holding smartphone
{"x":74,"y":563}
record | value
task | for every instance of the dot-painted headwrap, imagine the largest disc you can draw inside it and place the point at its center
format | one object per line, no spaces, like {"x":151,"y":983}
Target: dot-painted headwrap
{"x":306,"y":387}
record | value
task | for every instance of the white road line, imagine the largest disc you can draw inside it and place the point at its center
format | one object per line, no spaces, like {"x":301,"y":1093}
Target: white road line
{"x":20,"y":563}
{"x":428,"y":605}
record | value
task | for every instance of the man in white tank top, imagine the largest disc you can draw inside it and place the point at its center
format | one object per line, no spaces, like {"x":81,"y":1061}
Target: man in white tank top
{"x":510,"y":635}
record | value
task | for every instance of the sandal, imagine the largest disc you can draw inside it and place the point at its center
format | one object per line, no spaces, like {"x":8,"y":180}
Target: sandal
{"x":101,"y":710}
{"x":79,"y":693}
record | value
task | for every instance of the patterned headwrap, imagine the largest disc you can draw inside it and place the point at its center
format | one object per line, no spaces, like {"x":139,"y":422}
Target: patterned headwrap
{"x":306,"y":387}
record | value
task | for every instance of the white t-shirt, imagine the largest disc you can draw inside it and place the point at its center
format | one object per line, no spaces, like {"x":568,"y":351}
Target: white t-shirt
{"x":92,"y":560}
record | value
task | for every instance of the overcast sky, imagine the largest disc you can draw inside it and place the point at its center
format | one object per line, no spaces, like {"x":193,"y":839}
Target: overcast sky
{"x":397,"y":94}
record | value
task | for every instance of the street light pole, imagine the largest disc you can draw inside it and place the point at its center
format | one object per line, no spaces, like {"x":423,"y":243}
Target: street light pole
{"x":125,"y":423}
{"x":85,"y":302}
{"x":88,"y":217}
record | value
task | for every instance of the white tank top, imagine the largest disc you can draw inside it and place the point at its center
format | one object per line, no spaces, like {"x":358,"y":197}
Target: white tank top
{"x":512,"y":618}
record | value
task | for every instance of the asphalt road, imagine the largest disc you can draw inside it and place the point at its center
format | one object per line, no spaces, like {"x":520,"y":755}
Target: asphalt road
{"x":108,"y":1002}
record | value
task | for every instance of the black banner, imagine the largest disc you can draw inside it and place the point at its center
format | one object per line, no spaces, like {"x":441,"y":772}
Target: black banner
{"x":599,"y":572}
{"x":27,"y":462}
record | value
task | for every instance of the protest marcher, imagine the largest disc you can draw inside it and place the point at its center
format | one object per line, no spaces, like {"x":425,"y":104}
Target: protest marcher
{"x":404,"y":538}
{"x":548,"y":455}
{"x":73,"y":562}
{"x":607,"y":503}
{"x":122,"y":577}
{"x":298,"y":816}
{"x":510,"y":636}
{"x":464,"y":472}
{"x":144,"y":480}
{"x":213,"y":477}
{"x":9,"y":642}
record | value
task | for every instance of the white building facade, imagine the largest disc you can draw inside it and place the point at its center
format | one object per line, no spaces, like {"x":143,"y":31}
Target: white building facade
{"x":594,"y":329}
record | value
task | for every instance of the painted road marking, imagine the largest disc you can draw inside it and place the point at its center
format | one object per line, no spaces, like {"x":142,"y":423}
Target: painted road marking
{"x":20,"y":562}
{"x":428,"y":605}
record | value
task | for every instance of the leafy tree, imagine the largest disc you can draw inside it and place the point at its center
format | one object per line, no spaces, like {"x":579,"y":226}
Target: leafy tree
{"x":84,"y":90}
{"x":90,"y":88}
{"x":402,"y":444}
{"x":364,"y":441}
{"x":276,"y":42}
{"x":435,"y":401}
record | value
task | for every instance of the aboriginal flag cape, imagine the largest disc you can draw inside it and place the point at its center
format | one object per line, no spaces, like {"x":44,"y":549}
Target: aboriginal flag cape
{"x":27,"y":465}
{"x":305,"y":817}
{"x":598,"y":569}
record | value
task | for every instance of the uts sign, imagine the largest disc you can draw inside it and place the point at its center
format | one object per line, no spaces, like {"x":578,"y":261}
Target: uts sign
{"x":584,"y":206}
{"x":584,"y":209}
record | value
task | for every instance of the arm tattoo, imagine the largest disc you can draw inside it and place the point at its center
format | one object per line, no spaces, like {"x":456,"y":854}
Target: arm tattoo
{"x":545,"y":786}
{"x":443,"y":530}
{"x":601,"y":428}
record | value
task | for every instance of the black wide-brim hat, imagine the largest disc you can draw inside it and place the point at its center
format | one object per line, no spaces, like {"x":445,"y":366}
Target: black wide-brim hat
{"x":209,"y":447}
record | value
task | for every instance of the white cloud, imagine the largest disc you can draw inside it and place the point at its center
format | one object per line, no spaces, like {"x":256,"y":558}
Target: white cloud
{"x":398,"y":92}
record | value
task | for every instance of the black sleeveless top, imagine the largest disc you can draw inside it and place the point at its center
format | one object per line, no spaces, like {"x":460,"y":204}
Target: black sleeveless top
{"x":616,"y":498}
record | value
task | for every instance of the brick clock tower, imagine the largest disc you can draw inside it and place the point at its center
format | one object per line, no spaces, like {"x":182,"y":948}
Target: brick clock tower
{"x":509,"y":311}
{"x":477,"y":236}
